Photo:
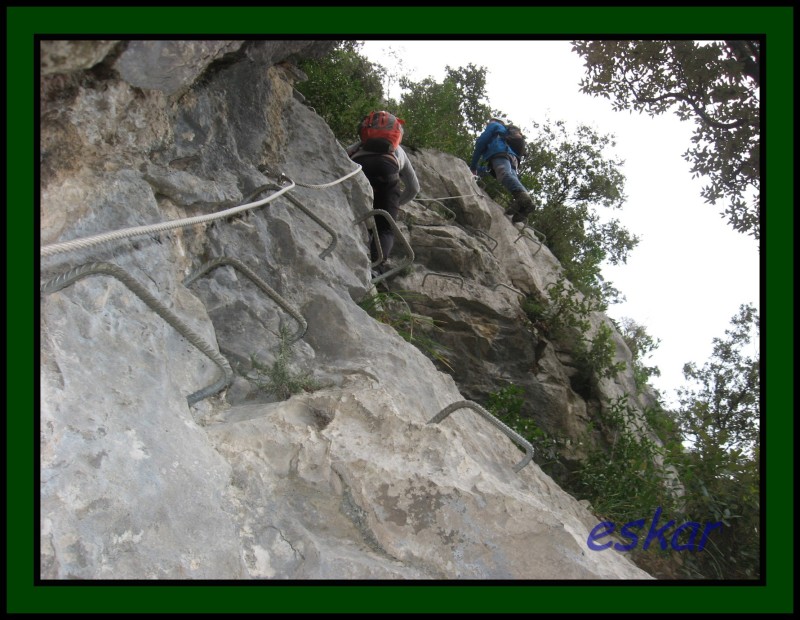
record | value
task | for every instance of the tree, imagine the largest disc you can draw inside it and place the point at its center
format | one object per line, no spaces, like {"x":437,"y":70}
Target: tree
{"x":719,"y":418}
{"x":724,"y":405}
{"x":714,"y":83}
{"x":445,"y":116}
{"x":343,"y":87}
{"x":571,"y":177}
{"x":641,"y":345}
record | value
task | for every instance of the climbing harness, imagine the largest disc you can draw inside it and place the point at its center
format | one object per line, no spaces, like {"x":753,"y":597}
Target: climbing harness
{"x":513,"y":435}
{"x":73,"y":275}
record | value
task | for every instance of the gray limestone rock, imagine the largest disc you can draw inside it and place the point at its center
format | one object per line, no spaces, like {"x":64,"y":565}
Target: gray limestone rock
{"x":346,"y":479}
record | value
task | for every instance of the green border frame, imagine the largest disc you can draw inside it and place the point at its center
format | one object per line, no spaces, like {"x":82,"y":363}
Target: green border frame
{"x":23,"y":23}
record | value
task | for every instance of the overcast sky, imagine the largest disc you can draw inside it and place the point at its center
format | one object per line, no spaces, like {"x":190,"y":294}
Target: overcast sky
{"x":690,"y":272}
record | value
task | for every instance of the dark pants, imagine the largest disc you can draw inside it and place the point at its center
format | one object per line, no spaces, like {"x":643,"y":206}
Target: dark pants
{"x":383,"y":175}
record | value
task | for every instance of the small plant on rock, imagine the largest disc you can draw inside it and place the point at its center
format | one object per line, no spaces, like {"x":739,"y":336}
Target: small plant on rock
{"x":279,"y":378}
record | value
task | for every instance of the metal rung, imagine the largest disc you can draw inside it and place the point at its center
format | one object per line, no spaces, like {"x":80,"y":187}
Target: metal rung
{"x":334,"y":237}
{"x":373,"y":231}
{"x":451,"y":214}
{"x":535,"y":239}
{"x":109,"y":269}
{"x":398,"y":235}
{"x":510,"y":288}
{"x":481,"y":233}
{"x":233,"y":262}
{"x":443,"y":275}
{"x":511,"y":434}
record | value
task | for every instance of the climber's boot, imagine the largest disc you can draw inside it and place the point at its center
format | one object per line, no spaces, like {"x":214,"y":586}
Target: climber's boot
{"x":524,"y":206}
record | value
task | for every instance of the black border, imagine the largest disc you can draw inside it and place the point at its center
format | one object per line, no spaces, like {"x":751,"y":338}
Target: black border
{"x":563,"y":22}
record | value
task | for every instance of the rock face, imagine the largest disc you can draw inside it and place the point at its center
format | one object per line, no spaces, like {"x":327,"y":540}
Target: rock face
{"x":345,"y":479}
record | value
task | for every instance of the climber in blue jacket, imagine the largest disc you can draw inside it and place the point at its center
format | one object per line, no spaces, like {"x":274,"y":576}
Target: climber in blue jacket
{"x":501,"y":145}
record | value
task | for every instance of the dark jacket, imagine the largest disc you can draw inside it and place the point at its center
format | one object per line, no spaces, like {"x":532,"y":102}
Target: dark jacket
{"x":407,"y":174}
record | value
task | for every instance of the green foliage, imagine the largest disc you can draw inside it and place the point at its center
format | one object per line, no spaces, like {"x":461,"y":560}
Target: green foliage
{"x":343,"y":87}
{"x":722,"y":485}
{"x":636,"y":472}
{"x":537,"y":310}
{"x":719,"y":419}
{"x":712,"y":442}
{"x":625,"y":482}
{"x":723,"y":402}
{"x":445,"y":116}
{"x":570,"y":178}
{"x":506,"y":404}
{"x":569,"y":174}
{"x":572,"y":167}
{"x":665,"y":425}
{"x":715,"y":84}
{"x":565,"y":312}
{"x":631,"y":476}
{"x":393,"y":309}
{"x":279,"y":379}
{"x":641,"y":345}
{"x":596,"y":356}
{"x":565,"y":316}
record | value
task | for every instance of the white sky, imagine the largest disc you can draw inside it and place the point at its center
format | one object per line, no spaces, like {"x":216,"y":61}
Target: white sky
{"x":690,"y":272}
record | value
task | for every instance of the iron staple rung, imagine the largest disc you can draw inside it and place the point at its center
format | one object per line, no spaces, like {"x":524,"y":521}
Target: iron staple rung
{"x":73,"y":275}
{"x":511,"y":434}
{"x":334,"y":237}
{"x":270,"y":292}
{"x":398,"y":235}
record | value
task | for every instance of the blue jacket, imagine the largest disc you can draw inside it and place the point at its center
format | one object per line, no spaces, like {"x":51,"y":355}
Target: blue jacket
{"x":490,"y":144}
